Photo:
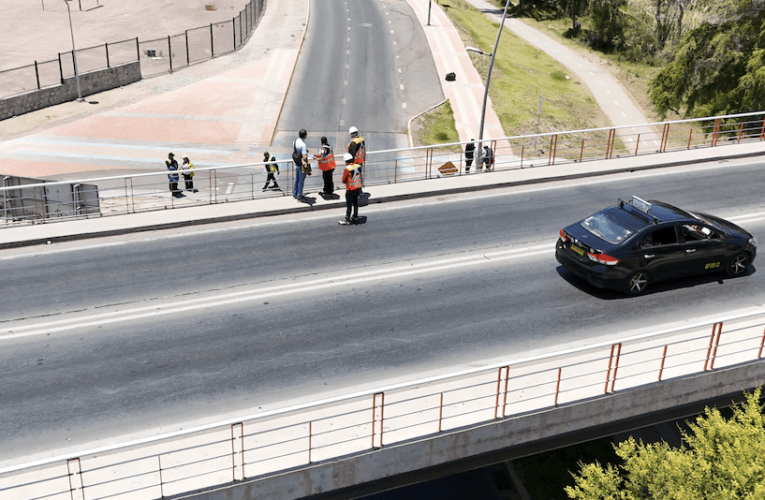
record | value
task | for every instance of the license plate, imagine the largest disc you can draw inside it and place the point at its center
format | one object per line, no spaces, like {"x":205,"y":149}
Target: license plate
{"x":577,"y":250}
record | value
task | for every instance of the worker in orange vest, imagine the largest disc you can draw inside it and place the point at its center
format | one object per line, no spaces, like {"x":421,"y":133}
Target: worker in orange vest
{"x":358,"y":149}
{"x":352,"y":180}
{"x":327,"y":166}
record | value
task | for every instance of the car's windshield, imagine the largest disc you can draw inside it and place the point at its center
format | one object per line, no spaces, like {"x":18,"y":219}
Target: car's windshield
{"x":606,"y":228}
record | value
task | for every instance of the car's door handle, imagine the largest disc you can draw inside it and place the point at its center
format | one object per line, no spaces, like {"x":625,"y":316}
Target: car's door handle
{"x":649,"y":256}
{"x":690,"y":250}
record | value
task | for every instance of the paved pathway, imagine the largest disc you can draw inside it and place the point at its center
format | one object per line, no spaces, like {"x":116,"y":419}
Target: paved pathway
{"x":618,"y":105}
{"x":217,"y":112}
{"x":466,"y":92}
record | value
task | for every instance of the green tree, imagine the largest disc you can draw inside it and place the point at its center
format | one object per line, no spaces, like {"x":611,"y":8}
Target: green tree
{"x":717,"y":68}
{"x":604,"y":22}
{"x":721,"y":459}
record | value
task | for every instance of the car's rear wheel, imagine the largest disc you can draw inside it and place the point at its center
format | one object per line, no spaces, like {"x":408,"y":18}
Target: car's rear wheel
{"x":737,"y":265}
{"x":637,"y":283}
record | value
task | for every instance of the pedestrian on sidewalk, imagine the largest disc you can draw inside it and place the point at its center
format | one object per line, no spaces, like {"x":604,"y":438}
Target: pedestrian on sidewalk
{"x":327,"y":166}
{"x":300,"y":157}
{"x":488,"y":158}
{"x":272,"y":168}
{"x":469,"y":152}
{"x":172,"y":166}
{"x":357,"y":148}
{"x":187,"y":169}
{"x":352,"y":180}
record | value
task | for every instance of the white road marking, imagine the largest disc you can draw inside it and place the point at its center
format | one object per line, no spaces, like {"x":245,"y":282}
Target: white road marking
{"x":257,"y":294}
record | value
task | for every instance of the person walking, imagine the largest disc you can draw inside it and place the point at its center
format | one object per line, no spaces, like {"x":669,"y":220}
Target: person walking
{"x":187,"y":169}
{"x":272,"y":168}
{"x":352,"y":180}
{"x":300,"y":157}
{"x":172,"y":166}
{"x":488,"y":158}
{"x":357,"y":148}
{"x":469,"y":152}
{"x":327,"y":166}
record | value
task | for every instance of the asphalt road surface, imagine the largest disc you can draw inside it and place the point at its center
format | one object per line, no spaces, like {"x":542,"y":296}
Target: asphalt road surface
{"x":121,"y":337}
{"x":364,"y":63}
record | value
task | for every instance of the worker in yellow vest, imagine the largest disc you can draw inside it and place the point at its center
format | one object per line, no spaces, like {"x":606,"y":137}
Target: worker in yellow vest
{"x":352,"y":180}
{"x":357,"y":149}
{"x":187,"y":169}
{"x":327,"y":166}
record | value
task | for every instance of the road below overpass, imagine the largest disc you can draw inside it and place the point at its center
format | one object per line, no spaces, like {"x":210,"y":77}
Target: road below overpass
{"x":131,"y":336}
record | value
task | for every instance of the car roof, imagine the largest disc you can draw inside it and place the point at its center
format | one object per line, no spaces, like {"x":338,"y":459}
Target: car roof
{"x":638,"y":214}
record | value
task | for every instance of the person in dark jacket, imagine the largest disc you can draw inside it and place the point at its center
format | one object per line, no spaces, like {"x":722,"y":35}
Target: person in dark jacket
{"x":172,"y":166}
{"x":469,"y":152}
{"x":272,"y":168}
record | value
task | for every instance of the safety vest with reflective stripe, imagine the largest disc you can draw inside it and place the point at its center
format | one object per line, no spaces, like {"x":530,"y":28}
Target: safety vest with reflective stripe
{"x":327,"y":159}
{"x":360,"y":153}
{"x":354,"y":178}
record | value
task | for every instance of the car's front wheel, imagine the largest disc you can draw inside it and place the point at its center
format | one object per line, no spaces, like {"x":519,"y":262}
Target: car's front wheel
{"x":737,"y":265}
{"x":636,"y":283}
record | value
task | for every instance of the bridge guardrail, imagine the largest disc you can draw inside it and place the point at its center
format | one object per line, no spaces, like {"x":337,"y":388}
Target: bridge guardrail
{"x":274,"y":441}
{"x":223,"y":183}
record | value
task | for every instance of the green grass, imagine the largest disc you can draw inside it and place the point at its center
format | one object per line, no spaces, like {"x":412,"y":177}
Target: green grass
{"x":634,"y":77}
{"x":521,"y":74}
{"x":435,"y":127}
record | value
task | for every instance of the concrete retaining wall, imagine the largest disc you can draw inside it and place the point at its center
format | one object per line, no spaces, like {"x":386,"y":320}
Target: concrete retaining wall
{"x":502,"y":435}
{"x":90,"y":83}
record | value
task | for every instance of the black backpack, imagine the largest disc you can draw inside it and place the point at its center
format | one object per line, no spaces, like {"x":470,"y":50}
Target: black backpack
{"x":296,"y":156}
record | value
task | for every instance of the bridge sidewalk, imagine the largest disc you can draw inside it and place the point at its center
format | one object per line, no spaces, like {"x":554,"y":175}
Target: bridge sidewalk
{"x":277,"y":205}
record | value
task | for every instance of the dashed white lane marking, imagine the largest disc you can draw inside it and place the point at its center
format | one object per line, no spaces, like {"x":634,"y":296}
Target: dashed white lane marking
{"x":616,"y":103}
{"x":402,"y":86}
{"x":624,"y":115}
{"x":403,"y":105}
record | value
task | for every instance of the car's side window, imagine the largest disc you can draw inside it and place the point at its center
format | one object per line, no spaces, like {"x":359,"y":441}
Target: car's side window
{"x":663,"y":236}
{"x":698,"y":232}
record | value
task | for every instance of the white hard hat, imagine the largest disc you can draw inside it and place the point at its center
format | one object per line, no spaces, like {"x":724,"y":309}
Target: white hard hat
{"x":353,"y":130}
{"x":185,"y":157}
{"x":347,"y":157}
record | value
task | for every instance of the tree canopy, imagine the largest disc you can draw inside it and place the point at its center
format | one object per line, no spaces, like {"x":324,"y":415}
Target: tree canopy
{"x":718,"y":67}
{"x":720,"y":459}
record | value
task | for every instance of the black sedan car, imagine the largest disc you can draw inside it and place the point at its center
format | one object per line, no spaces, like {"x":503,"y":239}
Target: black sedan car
{"x":638,"y":242}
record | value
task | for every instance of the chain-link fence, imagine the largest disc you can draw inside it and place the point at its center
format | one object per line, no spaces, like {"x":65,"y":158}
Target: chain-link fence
{"x":161,"y":55}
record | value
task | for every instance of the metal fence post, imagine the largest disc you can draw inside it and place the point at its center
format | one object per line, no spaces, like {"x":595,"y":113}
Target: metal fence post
{"x":212,"y":42}
{"x":188,"y":60}
{"x":233,"y":30}
{"x":137,"y":49}
{"x":106,"y":46}
{"x":60,"y":68}
{"x":37,"y":75}
{"x":170,"y":53}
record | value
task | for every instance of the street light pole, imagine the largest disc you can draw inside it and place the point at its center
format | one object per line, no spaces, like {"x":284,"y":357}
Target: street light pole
{"x":488,"y":76}
{"x":74,"y":53}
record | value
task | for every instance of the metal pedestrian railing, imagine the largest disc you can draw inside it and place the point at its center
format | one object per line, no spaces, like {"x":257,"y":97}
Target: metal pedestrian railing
{"x":144,"y":192}
{"x":161,"y":55}
{"x":274,"y":441}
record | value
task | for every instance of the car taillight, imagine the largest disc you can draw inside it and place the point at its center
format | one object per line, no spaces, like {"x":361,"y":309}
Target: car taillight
{"x":603,"y":258}
{"x":563,"y":235}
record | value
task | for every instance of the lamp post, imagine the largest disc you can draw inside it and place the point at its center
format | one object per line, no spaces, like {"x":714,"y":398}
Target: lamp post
{"x":74,"y":53}
{"x":488,"y":75}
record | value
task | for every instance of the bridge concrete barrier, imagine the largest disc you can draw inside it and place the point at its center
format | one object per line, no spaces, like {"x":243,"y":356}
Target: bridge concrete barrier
{"x":503,"y":439}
